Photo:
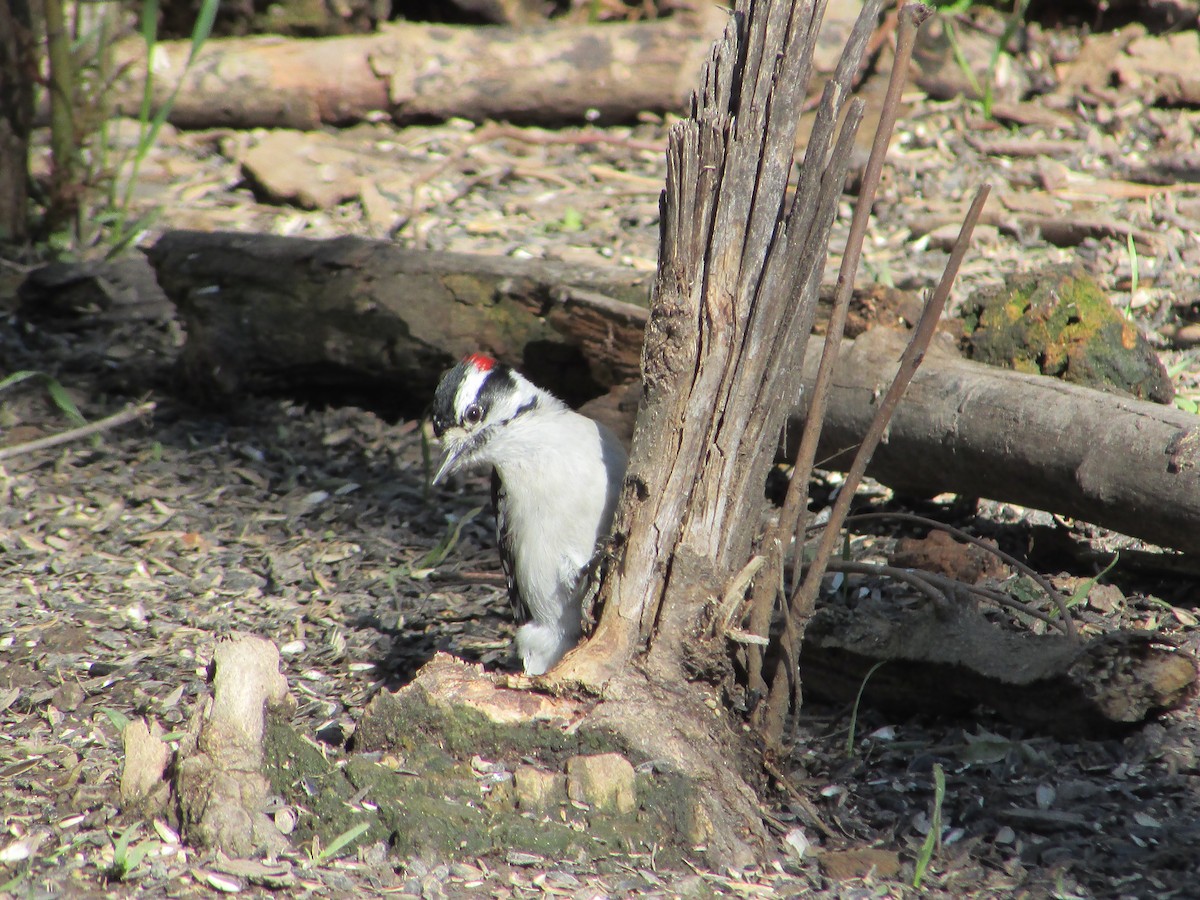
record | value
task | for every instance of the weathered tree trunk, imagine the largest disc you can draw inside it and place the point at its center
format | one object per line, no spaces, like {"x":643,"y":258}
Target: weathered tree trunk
{"x":18,"y":68}
{"x":738,"y":276}
{"x":421,"y":72}
{"x":734,"y":300}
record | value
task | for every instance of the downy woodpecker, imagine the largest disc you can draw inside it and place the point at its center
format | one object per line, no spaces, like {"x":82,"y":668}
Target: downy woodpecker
{"x":555,"y":479}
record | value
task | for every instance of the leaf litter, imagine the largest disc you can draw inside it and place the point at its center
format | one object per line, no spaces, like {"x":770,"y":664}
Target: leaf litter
{"x":124,"y":561}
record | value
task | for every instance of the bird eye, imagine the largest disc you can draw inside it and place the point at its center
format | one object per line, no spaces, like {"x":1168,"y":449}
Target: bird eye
{"x":473,"y":414}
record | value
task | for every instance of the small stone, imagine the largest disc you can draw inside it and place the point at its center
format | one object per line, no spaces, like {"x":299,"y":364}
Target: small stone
{"x":537,"y":789}
{"x":285,"y":820}
{"x":605,"y":780}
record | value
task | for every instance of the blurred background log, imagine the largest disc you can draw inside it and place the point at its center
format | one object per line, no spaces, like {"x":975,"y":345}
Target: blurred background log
{"x":418,"y":73}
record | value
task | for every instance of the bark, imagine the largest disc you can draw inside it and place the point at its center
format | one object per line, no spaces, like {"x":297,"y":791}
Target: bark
{"x":980,"y":431}
{"x":270,"y":313}
{"x":18,"y":71}
{"x":420,"y":72}
{"x":943,"y":661}
{"x":735,"y":297}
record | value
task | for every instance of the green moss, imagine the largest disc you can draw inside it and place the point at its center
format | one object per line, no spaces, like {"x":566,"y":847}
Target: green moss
{"x":1062,"y":324}
{"x":421,"y":794}
{"x":406,"y":722}
{"x":316,"y":788}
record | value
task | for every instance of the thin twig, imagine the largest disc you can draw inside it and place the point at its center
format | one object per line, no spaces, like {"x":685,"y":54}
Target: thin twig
{"x":804,"y":598}
{"x":796,"y":502}
{"x":805,"y":805}
{"x":940,"y":587}
{"x":128,"y":414}
{"x":1068,"y":624}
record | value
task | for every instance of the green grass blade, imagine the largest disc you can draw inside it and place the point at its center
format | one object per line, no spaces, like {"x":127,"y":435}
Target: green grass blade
{"x":63,"y":401}
{"x":1085,"y":587}
{"x":202,"y":30}
{"x":17,"y":377}
{"x":200,"y":34}
{"x":149,"y":31}
{"x":343,"y":840}
{"x":934,"y":838}
{"x":854,"y":712}
{"x":58,"y":393}
{"x":449,"y":541}
{"x":150,"y":126}
{"x":119,"y":719}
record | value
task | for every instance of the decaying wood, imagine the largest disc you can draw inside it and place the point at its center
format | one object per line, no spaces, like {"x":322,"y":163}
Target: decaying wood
{"x":268,"y":313}
{"x":948,"y":659}
{"x":271,"y":313}
{"x":738,"y":276}
{"x":219,"y":784}
{"x":980,"y":431}
{"x":735,"y":294}
{"x":417,"y":72}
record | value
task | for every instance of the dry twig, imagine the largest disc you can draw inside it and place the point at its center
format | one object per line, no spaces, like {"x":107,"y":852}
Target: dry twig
{"x":128,"y":414}
{"x":1068,"y":624}
{"x":939,"y":587}
{"x":796,"y":502}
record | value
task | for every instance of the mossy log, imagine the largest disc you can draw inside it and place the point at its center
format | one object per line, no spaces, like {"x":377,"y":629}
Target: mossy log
{"x":266,"y":314}
{"x":360,"y":317}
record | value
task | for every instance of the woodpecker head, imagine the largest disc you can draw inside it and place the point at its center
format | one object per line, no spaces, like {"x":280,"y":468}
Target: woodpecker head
{"x":473,"y":401}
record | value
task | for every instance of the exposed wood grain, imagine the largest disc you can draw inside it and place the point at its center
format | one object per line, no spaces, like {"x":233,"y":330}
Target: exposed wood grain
{"x":417,"y":72}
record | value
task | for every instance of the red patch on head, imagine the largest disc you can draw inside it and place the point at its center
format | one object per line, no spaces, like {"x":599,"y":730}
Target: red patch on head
{"x":481,"y":361}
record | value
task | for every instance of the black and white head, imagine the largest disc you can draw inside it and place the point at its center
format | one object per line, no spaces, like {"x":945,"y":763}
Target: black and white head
{"x":473,"y":401}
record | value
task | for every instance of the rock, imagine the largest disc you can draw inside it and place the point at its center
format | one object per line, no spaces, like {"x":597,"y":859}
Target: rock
{"x":1061,"y":323}
{"x":537,"y":789}
{"x":605,"y":781}
{"x":312,"y":170}
{"x":1162,"y":69}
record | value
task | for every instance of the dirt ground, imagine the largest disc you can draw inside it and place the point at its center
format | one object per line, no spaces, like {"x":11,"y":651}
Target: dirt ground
{"x":125,"y":558}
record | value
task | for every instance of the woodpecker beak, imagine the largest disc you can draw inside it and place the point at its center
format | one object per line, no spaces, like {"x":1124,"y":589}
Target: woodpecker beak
{"x":461,"y":449}
{"x":454,"y":450}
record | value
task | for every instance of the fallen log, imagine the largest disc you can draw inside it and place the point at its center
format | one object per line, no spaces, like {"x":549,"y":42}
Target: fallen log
{"x":417,"y":72}
{"x":950,"y":660}
{"x":266,"y":314}
{"x":270,"y":313}
{"x":982,"y":431}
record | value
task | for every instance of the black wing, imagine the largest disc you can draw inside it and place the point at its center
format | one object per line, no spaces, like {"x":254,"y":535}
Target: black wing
{"x":505,"y":538}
